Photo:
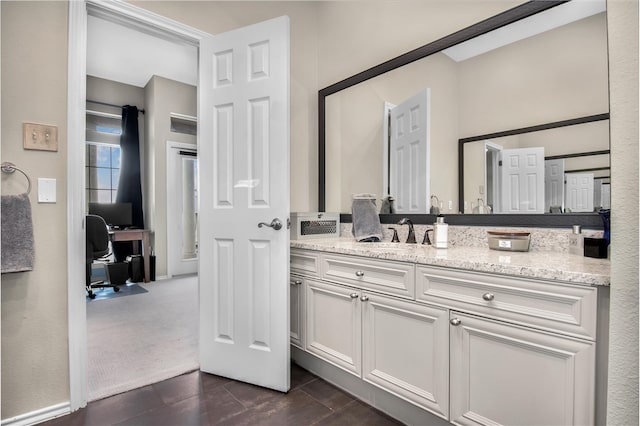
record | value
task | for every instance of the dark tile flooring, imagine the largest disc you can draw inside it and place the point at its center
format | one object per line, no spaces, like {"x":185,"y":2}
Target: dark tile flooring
{"x":204,"y":399}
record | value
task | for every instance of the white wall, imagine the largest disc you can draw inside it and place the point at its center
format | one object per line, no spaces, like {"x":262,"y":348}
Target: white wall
{"x":623,"y":347}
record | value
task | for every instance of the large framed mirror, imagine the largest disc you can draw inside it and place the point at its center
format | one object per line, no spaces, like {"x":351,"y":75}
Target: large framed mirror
{"x":466,"y":102}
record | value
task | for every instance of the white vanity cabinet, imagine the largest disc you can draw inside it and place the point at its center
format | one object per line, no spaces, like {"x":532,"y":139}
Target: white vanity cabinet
{"x":469,"y":347}
{"x":296,"y":310}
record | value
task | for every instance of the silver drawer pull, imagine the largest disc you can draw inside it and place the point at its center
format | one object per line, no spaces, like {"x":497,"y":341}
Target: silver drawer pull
{"x":488,"y":297}
{"x":359,"y":273}
{"x":354,"y":295}
{"x":364,"y":298}
{"x":455,"y":321}
{"x":297,"y":282}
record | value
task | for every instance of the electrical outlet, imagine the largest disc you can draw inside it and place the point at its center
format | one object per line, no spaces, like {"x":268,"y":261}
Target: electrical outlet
{"x":40,"y":137}
{"x":481,"y":189}
{"x":450,"y":205}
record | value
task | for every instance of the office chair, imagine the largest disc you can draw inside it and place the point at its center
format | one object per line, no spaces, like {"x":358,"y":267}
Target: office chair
{"x":97,"y":248}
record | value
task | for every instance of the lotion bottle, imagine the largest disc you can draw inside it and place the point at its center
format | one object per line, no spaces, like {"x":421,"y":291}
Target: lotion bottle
{"x":440,"y":230}
{"x":576,"y":241}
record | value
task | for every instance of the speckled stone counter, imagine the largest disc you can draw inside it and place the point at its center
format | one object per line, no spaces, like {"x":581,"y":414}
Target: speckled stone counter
{"x":547,"y":265}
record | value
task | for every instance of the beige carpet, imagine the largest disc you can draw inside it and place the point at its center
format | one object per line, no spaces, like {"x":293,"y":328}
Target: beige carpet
{"x":144,"y":338}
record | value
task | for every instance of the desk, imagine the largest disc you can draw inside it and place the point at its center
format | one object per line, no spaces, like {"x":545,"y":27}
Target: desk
{"x":137,"y":236}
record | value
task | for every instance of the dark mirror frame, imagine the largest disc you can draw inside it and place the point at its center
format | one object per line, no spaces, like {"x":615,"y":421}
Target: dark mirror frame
{"x":586,"y":220}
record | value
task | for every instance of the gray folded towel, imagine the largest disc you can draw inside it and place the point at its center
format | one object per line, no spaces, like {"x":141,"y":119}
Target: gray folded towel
{"x":17,"y":234}
{"x":365,"y":220}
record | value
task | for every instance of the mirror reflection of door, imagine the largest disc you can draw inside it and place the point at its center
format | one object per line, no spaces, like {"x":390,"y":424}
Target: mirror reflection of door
{"x":554,"y":186}
{"x":409,"y":154}
{"x":522,"y":180}
{"x":182,"y":212}
{"x":579,"y":192}
{"x":492,"y":175}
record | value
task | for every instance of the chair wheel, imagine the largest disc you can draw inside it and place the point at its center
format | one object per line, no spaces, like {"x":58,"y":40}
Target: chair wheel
{"x":116,"y":289}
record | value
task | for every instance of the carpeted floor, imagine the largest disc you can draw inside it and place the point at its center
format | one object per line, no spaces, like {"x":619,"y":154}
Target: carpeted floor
{"x":143,"y":338}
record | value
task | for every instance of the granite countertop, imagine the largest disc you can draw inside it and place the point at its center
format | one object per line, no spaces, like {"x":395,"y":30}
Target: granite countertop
{"x":545,"y":265}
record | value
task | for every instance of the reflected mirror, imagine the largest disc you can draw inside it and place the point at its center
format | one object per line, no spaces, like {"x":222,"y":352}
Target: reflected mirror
{"x":546,"y":77}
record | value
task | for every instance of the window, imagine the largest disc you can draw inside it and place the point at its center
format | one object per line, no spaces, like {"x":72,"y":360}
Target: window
{"x":103,"y":156}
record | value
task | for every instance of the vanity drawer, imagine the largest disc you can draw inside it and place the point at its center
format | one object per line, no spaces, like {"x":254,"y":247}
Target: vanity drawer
{"x":305,"y":262}
{"x":563,"y":308}
{"x":394,"y":278}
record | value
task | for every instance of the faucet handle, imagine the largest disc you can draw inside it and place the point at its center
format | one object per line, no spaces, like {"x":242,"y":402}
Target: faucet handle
{"x":395,"y":238}
{"x":426,"y":239}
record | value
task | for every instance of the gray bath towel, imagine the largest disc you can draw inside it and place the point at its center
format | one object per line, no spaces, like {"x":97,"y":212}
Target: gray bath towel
{"x":365,"y":220}
{"x":17,"y":234}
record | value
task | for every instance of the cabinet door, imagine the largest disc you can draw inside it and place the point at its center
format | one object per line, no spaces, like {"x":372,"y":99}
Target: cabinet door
{"x":510,"y":375}
{"x":406,"y":350}
{"x":296,"y":310}
{"x":333,"y":324}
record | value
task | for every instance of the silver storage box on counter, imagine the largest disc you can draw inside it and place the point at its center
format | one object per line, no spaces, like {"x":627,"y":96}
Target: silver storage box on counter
{"x":509,"y":240}
{"x":314,"y":225}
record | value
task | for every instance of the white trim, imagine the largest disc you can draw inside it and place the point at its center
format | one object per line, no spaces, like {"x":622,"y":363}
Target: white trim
{"x":143,"y":20}
{"x":38,"y":416}
{"x":76,"y":110}
{"x":183,"y":117}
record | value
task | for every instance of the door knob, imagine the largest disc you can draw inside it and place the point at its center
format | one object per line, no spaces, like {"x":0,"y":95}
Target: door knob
{"x":297,"y":282}
{"x":359,"y":273}
{"x":455,"y":321}
{"x":488,"y":297}
{"x":364,"y":298}
{"x":275,"y":224}
{"x":354,"y":295}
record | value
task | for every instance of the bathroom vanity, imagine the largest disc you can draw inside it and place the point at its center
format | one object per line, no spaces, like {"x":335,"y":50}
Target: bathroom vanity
{"x":464,"y":335}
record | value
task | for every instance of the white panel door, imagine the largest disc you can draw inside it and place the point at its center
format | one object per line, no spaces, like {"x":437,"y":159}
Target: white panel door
{"x":579,"y":192}
{"x":553,"y":184}
{"x":244,"y":180}
{"x":522,"y":182}
{"x":502,"y":374}
{"x":409,"y":154}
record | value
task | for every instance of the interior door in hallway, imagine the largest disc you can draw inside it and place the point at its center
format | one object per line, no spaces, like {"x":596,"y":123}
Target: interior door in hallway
{"x":182,"y":208}
{"x":243,"y":150}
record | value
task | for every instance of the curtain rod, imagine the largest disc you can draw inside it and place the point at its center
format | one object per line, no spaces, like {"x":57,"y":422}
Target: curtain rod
{"x":109,"y":105}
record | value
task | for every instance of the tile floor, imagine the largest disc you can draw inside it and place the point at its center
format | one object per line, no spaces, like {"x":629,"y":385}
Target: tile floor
{"x":204,"y":399}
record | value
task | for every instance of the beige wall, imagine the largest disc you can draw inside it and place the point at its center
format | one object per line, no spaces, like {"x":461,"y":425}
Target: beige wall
{"x":35,"y":353}
{"x":623,"y":347}
{"x":163,"y":97}
{"x":34,"y":314}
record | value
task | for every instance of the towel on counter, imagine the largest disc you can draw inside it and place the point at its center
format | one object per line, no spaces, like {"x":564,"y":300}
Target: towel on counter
{"x":17,"y":234}
{"x":365,"y":220}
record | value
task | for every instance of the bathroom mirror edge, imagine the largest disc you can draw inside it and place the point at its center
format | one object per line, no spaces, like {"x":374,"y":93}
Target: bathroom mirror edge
{"x":590,"y":220}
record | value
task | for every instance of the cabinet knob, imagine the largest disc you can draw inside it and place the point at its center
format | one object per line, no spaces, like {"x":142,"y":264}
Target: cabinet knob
{"x":359,"y":273}
{"x":455,"y":321}
{"x":488,"y":297}
{"x":297,"y":282}
{"x":364,"y":298}
{"x":354,"y":295}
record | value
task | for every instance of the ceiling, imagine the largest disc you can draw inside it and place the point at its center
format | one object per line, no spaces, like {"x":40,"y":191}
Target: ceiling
{"x":121,"y":54}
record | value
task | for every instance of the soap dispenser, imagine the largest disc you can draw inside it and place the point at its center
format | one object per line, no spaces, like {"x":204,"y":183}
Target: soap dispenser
{"x":576,"y":241}
{"x":440,"y":231}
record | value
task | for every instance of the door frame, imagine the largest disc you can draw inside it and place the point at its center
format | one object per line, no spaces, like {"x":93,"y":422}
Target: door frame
{"x":171,"y":146}
{"x":135,"y":17}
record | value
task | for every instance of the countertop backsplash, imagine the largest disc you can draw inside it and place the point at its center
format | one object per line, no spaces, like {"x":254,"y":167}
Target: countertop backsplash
{"x":542,"y":239}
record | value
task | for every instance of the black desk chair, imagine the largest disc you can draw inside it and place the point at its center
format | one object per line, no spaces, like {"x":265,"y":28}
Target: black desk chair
{"x":97,"y":248}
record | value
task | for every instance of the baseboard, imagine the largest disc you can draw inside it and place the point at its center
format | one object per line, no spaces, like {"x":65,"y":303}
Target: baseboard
{"x":39,"y":416}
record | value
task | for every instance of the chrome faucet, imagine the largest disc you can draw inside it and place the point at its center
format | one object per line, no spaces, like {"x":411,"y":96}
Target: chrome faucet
{"x":411,"y":238}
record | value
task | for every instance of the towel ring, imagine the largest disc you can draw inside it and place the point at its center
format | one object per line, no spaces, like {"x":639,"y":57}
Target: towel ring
{"x":9,"y":168}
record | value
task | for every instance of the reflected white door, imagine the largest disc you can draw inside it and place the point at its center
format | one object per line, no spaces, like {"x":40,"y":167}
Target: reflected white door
{"x":579,"y":192}
{"x":243,"y":149}
{"x":522,"y":182}
{"x":492,"y":175}
{"x":409,"y":154}
{"x":182,"y":211}
{"x":553,"y":184}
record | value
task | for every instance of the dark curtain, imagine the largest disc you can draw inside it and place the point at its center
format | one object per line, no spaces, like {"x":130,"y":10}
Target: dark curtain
{"x":130,"y":184}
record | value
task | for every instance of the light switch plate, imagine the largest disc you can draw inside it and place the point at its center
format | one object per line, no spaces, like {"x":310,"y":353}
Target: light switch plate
{"x":46,"y":190}
{"x":40,"y":137}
